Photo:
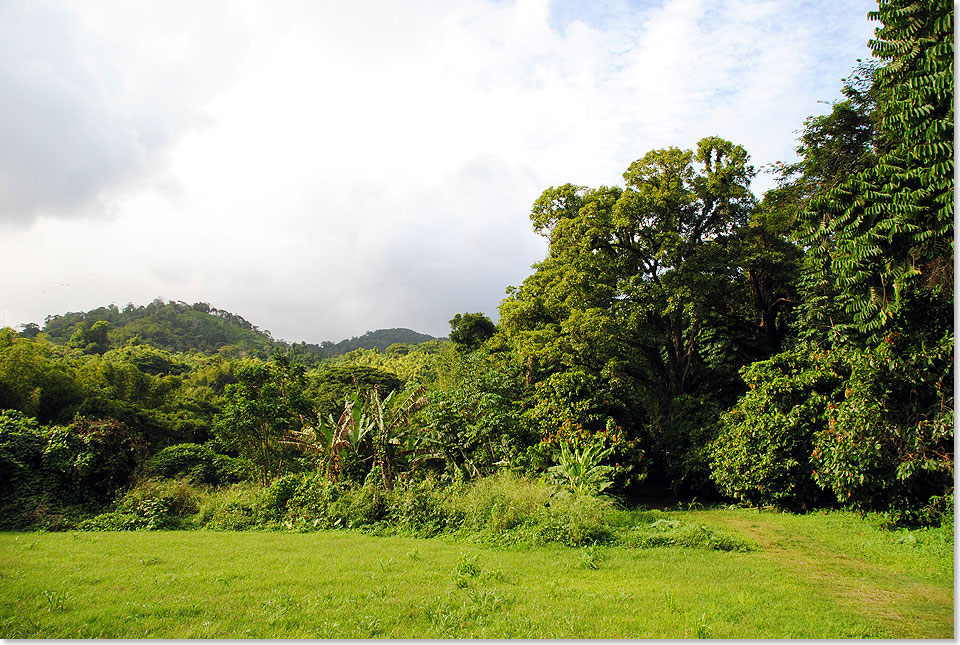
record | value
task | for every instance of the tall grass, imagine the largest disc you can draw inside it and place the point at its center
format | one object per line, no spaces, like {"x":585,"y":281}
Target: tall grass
{"x":508,"y":509}
{"x":504,"y":509}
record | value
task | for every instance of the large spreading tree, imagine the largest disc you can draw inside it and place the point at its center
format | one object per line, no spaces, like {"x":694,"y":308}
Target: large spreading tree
{"x":650,"y":298}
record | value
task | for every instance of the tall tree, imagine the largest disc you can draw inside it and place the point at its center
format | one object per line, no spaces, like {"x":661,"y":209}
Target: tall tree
{"x":887,"y":229}
{"x":876,"y":428}
{"x":261,"y":409}
{"x":469,"y":331}
{"x":642,"y":308}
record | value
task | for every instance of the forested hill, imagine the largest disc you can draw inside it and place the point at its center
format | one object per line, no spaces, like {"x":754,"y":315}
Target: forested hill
{"x":180,"y":327}
{"x":379,"y":339}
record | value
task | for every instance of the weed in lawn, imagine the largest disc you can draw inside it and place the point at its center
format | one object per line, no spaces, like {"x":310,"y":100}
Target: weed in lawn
{"x":280,"y":607}
{"x":441,"y":616}
{"x":467,"y":569}
{"x":369,"y":626}
{"x":55,"y":600}
{"x":670,"y":602}
{"x":590,"y":557}
{"x":484,"y":602}
{"x":703,"y":629}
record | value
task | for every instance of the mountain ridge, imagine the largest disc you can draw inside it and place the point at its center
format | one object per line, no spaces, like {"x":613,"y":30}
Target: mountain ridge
{"x":177,"y":326}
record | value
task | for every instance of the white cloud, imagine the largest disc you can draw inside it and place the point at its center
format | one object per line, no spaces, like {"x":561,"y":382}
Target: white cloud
{"x":95,"y":96}
{"x":327,"y":168}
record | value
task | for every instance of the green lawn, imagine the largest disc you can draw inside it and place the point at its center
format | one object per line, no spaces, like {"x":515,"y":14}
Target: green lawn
{"x":814,"y":576}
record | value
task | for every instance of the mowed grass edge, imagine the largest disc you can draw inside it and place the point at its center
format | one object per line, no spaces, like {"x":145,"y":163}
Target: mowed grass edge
{"x":337,"y":584}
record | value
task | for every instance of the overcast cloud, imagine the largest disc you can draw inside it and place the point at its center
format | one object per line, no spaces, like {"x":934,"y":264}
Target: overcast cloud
{"x":328,"y":168}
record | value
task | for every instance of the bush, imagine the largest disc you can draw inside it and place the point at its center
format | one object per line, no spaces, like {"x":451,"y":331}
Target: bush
{"x":199,"y":464}
{"x":233,"y":470}
{"x":90,"y":460}
{"x":49,"y":475}
{"x":162,"y":503}
{"x":190,"y":460}
{"x":151,"y":504}
{"x":314,"y":503}
{"x":114,"y":521}
{"x":311,"y":501}
{"x":22,"y":442}
{"x":500,"y":509}
{"x":368,"y":505}
{"x":762,"y":455}
{"x":273,"y":500}
{"x":497,"y":504}
{"x":35,"y":491}
{"x":874,"y":427}
{"x":419,"y":507}
{"x":576,"y":520}
{"x":887,"y":443}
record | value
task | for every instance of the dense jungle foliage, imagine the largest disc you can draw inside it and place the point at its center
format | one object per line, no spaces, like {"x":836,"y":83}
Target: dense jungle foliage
{"x":680,"y":335}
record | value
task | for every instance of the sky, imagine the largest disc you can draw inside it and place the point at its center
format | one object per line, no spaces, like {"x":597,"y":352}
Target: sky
{"x":328,"y":167}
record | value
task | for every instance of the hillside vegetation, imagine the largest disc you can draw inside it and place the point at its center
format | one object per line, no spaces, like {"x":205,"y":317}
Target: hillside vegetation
{"x":199,"y":328}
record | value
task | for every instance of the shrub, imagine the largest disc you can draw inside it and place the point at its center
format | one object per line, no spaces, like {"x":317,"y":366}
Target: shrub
{"x":199,"y":464}
{"x":21,"y":456}
{"x":90,"y":460}
{"x":164,"y":503}
{"x":419,"y":507}
{"x":274,"y":499}
{"x":230,"y":509}
{"x":313,"y":504}
{"x":114,"y":521}
{"x":310,"y":501}
{"x":575,"y":520}
{"x":500,"y":509}
{"x":579,"y":469}
{"x":151,"y":504}
{"x":184,"y":460}
{"x":367,"y":505}
{"x":496,"y":504}
{"x":887,"y":443}
{"x":233,"y":470}
{"x":763,"y":452}
{"x":872,"y":426}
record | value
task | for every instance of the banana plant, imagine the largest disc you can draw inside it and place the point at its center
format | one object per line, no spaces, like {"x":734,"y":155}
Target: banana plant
{"x":329,"y":438}
{"x":581,"y":470}
{"x":395,"y":438}
{"x":387,"y":424}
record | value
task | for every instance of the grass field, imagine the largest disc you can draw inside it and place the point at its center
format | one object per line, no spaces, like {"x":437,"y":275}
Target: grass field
{"x":815,"y":576}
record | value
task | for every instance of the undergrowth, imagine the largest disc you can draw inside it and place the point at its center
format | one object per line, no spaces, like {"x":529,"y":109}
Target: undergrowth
{"x":501,"y":510}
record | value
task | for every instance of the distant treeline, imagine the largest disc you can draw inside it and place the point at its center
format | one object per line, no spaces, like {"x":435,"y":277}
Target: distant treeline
{"x":176,"y":326}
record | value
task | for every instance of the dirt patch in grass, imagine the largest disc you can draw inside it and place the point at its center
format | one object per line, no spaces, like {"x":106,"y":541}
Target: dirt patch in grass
{"x":905,"y":608}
